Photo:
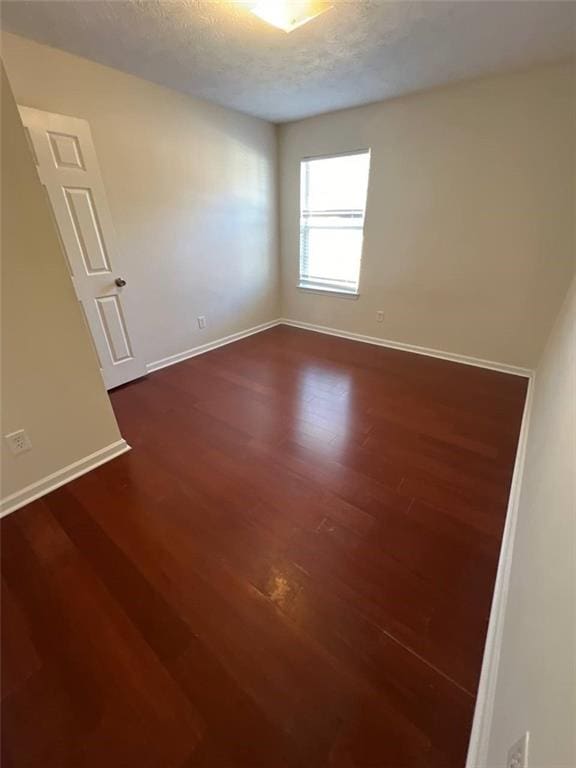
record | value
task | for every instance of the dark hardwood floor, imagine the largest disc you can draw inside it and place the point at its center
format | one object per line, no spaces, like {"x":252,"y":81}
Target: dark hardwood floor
{"x":292,"y":567}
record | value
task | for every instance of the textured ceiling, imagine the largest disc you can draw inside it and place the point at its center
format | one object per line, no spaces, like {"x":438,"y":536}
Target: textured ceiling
{"x":359,"y":51}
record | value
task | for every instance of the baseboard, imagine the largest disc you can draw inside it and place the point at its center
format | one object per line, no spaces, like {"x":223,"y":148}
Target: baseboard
{"x":200,"y":350}
{"x":479,"y":738}
{"x":451,"y":356}
{"x":56,"y":479}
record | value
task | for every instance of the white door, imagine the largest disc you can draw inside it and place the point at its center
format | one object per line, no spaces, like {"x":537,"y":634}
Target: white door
{"x":67,"y":165}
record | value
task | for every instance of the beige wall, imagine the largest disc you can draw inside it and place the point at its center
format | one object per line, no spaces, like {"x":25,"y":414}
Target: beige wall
{"x":191,"y":187}
{"x":469,"y":240}
{"x":536,"y":688}
{"x":51,"y":383}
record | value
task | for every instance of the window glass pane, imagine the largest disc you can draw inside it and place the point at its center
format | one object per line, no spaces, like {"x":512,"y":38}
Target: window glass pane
{"x":334,"y":254}
{"x":336,"y":183}
{"x":332,"y":204}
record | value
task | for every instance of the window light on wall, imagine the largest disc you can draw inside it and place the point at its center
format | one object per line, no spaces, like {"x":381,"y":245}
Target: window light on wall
{"x":332,"y":210}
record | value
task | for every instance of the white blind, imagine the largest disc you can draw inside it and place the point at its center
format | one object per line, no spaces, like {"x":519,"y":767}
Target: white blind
{"x":332,"y":206}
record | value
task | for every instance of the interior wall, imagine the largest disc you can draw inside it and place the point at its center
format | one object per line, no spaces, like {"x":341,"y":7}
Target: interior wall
{"x":191,"y":188}
{"x":51,"y":382}
{"x":469,"y":238}
{"x":537,"y":672}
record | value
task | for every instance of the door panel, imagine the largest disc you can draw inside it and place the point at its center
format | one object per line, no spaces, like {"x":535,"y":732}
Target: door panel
{"x":87,"y":230}
{"x":68,"y":168}
{"x":114,"y":328}
{"x":66,"y":151}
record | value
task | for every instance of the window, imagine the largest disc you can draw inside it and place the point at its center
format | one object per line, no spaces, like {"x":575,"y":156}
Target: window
{"x":332,"y":206}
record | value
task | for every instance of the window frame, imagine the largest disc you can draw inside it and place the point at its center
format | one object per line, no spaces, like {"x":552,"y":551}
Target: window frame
{"x":320,"y":290}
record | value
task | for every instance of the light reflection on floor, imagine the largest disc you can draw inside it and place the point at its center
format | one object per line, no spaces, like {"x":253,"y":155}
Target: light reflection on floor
{"x":324,"y":408}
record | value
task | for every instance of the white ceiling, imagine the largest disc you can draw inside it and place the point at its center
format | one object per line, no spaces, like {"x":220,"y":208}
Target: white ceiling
{"x":359,"y":51}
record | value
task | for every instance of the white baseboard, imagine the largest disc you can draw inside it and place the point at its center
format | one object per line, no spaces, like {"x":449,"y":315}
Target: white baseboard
{"x":62,"y":476}
{"x":480,"y":736}
{"x":451,"y":356}
{"x":200,"y":350}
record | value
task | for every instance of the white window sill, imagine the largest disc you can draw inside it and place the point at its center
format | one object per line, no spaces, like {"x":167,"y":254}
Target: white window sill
{"x":329,"y":292}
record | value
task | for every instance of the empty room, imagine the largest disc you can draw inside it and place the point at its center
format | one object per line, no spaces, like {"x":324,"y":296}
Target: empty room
{"x":288,"y":416}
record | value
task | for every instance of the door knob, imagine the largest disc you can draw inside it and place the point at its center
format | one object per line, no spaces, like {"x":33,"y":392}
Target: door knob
{"x":120,"y":282}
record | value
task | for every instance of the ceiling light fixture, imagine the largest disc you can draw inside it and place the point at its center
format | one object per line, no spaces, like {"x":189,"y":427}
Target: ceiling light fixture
{"x":288,"y":15}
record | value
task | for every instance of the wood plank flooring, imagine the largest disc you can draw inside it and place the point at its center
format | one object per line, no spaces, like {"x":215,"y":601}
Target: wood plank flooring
{"x":292,"y":567}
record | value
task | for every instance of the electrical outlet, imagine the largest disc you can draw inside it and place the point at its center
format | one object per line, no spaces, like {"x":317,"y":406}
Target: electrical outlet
{"x":380,"y":316}
{"x":518,"y":753}
{"x":201,"y":321}
{"x":18,"y":441}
